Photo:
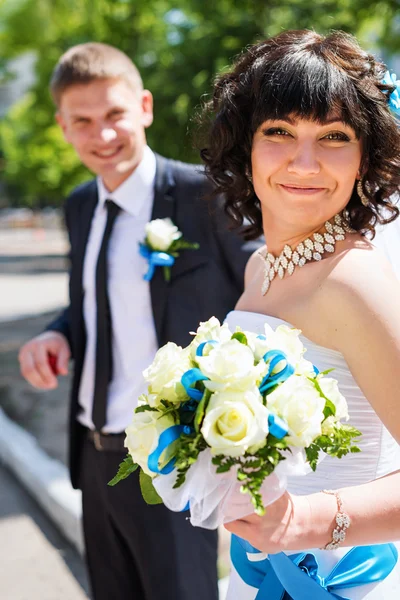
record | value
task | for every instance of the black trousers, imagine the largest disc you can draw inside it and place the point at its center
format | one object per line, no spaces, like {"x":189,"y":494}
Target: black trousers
{"x":140,"y":552}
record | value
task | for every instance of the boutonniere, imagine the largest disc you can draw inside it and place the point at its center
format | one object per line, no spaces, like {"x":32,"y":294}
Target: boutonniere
{"x":161,"y":246}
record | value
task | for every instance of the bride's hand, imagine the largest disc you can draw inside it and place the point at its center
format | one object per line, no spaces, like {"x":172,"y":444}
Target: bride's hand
{"x":282,"y":527}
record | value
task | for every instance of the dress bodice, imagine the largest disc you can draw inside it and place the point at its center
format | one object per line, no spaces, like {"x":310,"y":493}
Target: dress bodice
{"x":380,"y":453}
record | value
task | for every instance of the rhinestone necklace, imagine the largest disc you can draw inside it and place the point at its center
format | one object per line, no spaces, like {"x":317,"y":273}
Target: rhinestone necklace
{"x":312,"y":248}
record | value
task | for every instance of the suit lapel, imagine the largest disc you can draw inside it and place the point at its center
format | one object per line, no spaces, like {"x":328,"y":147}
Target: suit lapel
{"x":84,"y":221}
{"x":163,"y":207}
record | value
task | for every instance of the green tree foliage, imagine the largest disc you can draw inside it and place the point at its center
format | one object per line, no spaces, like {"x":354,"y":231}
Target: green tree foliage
{"x":178,"y":51}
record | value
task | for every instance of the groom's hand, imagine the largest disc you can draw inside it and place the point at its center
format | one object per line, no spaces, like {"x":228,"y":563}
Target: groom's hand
{"x":44,"y":357}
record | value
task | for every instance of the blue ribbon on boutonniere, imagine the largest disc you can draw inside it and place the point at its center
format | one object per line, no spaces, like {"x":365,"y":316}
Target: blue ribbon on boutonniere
{"x":155,"y":259}
{"x":280,"y":576}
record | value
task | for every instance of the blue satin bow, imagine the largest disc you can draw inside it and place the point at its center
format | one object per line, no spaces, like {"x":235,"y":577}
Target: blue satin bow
{"x":155,"y":259}
{"x":394,"y":97}
{"x":270,"y":380}
{"x":166,"y":439}
{"x":296,"y":576}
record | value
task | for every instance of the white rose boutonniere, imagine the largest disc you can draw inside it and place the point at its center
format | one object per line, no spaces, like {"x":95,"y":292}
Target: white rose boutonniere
{"x":161,"y":246}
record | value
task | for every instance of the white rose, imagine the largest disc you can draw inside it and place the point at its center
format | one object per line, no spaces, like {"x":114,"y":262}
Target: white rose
{"x":235,"y":422}
{"x":305,"y":367}
{"x":330,"y":388}
{"x":301,"y":406}
{"x":229,"y":365}
{"x":259,"y":345}
{"x":142,"y":436}
{"x":160,"y":234}
{"x":209,"y":330}
{"x":286,"y":338}
{"x":164,"y":374}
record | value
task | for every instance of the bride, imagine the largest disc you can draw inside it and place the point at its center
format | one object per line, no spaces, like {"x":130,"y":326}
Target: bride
{"x":305,"y":149}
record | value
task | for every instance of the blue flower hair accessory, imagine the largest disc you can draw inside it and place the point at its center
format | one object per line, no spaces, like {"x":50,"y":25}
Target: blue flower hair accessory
{"x":394,"y":97}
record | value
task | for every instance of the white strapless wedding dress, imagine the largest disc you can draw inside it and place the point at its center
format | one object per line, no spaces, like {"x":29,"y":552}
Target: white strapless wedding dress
{"x":380,"y":455}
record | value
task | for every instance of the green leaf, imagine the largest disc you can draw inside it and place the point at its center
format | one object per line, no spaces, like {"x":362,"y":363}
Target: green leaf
{"x":167,"y":274}
{"x":330,"y":409}
{"x":125,"y":469}
{"x":201,"y":409}
{"x":240,"y":337}
{"x":144,"y":408}
{"x":312,"y":453}
{"x":148,"y":490}
{"x":326,"y":372}
{"x":183,"y":244}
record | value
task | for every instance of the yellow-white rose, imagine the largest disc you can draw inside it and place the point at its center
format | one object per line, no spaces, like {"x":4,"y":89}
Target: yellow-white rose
{"x":330,"y":388}
{"x":301,"y":406}
{"x":235,"y":422}
{"x":165,"y":373}
{"x":229,"y":365}
{"x":142,"y":436}
{"x":160,"y":233}
{"x":209,"y":330}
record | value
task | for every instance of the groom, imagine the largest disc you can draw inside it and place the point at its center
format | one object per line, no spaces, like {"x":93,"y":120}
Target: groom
{"x":116,"y":321}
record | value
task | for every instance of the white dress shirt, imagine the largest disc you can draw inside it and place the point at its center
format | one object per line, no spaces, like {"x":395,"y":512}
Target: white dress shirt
{"x":134,"y":341}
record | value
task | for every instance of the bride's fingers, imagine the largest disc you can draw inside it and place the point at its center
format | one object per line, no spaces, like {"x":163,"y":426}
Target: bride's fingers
{"x":240,"y":528}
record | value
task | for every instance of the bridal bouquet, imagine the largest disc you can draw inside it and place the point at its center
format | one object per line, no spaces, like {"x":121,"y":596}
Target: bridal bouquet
{"x":227,"y":418}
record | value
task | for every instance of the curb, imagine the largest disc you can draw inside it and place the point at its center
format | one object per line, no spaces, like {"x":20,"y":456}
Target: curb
{"x":47,"y":480}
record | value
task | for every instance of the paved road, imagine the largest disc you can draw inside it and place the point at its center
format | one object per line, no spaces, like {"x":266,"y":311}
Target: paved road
{"x":33,"y":274}
{"x":36,"y":563}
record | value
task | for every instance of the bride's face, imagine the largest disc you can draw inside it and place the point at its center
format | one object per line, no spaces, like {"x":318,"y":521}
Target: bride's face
{"x":304,"y":171}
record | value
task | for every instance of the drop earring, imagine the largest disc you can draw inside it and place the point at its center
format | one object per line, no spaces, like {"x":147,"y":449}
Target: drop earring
{"x":364,"y":199}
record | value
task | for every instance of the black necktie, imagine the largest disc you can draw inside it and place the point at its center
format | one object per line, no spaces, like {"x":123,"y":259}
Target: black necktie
{"x":103,"y":372}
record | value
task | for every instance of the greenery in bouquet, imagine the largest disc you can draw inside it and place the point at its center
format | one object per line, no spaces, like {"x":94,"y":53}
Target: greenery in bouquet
{"x":250,"y":399}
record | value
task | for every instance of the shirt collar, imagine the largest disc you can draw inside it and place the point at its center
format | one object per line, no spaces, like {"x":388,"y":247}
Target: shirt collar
{"x":133,"y":193}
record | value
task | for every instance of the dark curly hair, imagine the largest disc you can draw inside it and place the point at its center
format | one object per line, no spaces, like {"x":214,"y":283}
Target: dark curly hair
{"x":304,"y":74}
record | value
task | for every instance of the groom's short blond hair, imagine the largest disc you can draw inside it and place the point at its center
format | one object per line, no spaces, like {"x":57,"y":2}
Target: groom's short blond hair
{"x":89,"y":62}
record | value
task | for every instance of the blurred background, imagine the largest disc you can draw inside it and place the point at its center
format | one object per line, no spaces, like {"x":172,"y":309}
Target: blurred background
{"x":178,"y":47}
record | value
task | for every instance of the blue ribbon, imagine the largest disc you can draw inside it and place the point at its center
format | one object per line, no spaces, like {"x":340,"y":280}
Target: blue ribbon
{"x":166,"y":438}
{"x":200,"y":347}
{"x":274,"y":357}
{"x":297,"y":575}
{"x":191,"y":377}
{"x":394,"y":97}
{"x":155,"y":259}
{"x":277,"y":426}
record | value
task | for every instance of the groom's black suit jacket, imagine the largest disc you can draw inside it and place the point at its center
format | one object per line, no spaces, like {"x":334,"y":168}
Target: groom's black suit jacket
{"x":204,"y":282}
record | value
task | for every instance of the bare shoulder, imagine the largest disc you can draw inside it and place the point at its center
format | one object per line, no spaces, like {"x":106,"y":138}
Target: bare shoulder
{"x":253,"y":267}
{"x":360,"y":290}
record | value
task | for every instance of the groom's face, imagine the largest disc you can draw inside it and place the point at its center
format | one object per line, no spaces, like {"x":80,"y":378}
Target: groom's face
{"x":105,"y":121}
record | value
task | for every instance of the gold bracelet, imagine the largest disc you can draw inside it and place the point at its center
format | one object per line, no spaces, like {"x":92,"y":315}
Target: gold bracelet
{"x":342,"y":523}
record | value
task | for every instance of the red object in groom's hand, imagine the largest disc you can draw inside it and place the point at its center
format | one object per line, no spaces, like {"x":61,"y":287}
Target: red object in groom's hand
{"x":52,"y":363}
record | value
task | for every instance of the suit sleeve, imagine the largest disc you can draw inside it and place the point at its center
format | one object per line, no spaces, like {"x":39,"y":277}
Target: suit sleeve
{"x":235,"y":251}
{"x":62,"y":323}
